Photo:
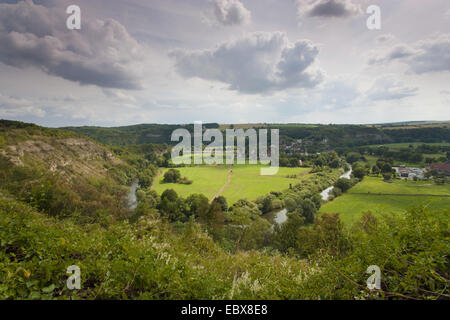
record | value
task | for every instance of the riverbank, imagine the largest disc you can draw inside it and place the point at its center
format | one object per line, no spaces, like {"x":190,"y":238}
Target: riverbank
{"x":325,"y":194}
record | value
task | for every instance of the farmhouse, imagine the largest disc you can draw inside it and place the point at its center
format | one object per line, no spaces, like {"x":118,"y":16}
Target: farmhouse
{"x":409,"y":173}
{"x":441,"y":168}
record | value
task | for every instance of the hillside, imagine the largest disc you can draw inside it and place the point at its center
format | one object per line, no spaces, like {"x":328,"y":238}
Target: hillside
{"x":69,"y":155}
{"x":316,"y":138}
{"x":62,"y":172}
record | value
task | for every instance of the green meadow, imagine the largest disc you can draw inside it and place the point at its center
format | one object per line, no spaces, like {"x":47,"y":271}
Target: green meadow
{"x":405,"y":145}
{"x":378,"y":197}
{"x":245,"y":181}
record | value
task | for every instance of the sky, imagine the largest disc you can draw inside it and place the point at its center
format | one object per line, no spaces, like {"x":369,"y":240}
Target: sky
{"x":224,"y":61}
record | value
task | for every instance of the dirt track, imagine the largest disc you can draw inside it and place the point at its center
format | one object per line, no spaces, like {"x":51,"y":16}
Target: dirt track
{"x":225,"y":186}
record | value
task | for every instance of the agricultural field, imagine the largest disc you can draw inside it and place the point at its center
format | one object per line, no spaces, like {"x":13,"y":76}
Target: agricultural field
{"x":379,"y":197}
{"x":242,"y":182}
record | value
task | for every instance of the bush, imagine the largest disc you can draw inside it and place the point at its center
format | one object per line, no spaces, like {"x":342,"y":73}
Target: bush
{"x":337,"y":192}
{"x":172,"y":176}
{"x":343,"y":184}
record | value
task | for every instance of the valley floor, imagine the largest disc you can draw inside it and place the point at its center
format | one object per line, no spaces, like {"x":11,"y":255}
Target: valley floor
{"x":378,"y":197}
{"x":245,"y":181}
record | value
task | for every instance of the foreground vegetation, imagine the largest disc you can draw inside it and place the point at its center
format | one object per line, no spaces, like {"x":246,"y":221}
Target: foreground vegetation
{"x":147,"y":260}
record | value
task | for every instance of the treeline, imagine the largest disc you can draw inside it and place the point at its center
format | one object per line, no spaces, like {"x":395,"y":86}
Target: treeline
{"x":135,"y":134}
{"x":429,"y":135}
{"x":411,"y":154}
{"x":325,"y":159}
{"x":317,"y":138}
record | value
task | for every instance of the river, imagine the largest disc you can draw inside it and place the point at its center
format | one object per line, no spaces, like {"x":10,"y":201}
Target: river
{"x":132,"y":200}
{"x":280,"y":217}
{"x":325,"y":194}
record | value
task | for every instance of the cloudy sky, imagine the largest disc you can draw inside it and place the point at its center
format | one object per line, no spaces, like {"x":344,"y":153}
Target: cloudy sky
{"x":226,"y":61}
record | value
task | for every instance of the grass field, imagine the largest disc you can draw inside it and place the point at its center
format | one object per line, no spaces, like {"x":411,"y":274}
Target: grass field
{"x":245,"y":182}
{"x":379,"y":197}
{"x":405,"y":145}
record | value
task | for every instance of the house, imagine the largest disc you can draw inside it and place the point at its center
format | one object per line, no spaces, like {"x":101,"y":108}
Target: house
{"x":403,"y":172}
{"x":441,"y":168}
{"x":409,"y":173}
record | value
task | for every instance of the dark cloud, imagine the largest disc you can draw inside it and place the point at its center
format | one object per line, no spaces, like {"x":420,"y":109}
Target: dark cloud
{"x":257,"y":63}
{"x":102,"y":53}
{"x":328,"y":8}
{"x":231,"y":12}
{"x":430,"y":55}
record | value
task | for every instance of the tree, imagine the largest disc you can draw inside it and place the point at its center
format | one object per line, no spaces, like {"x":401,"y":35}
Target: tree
{"x":266,"y":203}
{"x":286,"y":235}
{"x":416,"y":158}
{"x":197,"y":205}
{"x":359,"y":172}
{"x":376,"y":170}
{"x":290,"y":204}
{"x":172,"y":176}
{"x":308,"y":210}
{"x":169,"y":194}
{"x":353,"y":157}
{"x":343,"y":184}
{"x":214,"y":219}
{"x":145,"y":178}
{"x":172,"y":207}
{"x":335,"y":163}
{"x":257,"y":235}
{"x":327,"y":234}
{"x":337,"y":192}
{"x":222,"y":201}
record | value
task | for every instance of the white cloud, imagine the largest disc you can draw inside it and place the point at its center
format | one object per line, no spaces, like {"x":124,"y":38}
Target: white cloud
{"x":430,"y":55}
{"x":231,"y":12}
{"x":261,"y":62}
{"x":388,"y":88}
{"x":13,"y":107}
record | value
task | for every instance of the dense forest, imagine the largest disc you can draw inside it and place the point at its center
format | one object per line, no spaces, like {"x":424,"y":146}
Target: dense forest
{"x":336,"y":136}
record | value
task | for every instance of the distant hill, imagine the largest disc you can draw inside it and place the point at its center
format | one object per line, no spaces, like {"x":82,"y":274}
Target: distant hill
{"x":135,"y":134}
{"x":320,"y":137}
